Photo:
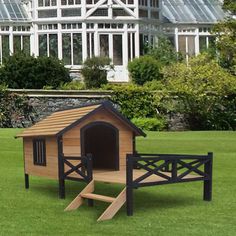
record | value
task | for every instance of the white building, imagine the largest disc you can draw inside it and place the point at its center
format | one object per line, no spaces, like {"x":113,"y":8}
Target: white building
{"x":74,"y":30}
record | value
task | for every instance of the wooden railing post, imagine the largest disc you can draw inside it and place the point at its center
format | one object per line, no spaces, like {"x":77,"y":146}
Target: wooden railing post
{"x":129,"y":184}
{"x":207,"y":187}
{"x":61,"y":168}
{"x":26,"y":181}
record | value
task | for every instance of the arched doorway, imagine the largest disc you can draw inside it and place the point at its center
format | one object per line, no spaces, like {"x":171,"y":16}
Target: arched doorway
{"x":101,"y":139}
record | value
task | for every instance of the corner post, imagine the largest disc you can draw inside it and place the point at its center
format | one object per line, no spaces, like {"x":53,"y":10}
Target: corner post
{"x":89,"y":163}
{"x":61,"y":168}
{"x":207,"y":187}
{"x":129,"y":185}
{"x":26,"y":181}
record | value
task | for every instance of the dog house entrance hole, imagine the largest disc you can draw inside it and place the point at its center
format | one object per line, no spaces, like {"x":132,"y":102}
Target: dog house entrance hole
{"x":101,"y":140}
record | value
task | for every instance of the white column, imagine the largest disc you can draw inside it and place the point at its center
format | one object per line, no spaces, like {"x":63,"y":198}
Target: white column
{"x":176,"y":40}
{"x":125,"y":46}
{"x":84,"y":42}
{"x":137,"y":46}
{"x":96,"y":40}
{"x":11,"y":40}
{"x":59,"y":36}
{"x":197,"y":47}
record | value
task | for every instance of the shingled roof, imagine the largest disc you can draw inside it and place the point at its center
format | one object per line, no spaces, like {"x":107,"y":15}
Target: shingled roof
{"x":61,"y":121}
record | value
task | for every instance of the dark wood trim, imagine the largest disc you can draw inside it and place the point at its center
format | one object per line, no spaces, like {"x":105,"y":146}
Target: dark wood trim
{"x":207,"y":186}
{"x":154,"y":164}
{"x":36,"y":157}
{"x":82,"y":141}
{"x":26,"y":181}
{"x":61,"y":168}
{"x":129,"y":185}
{"x":107,"y":105}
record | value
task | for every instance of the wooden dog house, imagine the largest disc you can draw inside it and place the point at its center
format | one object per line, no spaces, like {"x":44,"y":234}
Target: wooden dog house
{"x":97,"y":129}
{"x":95,"y":143}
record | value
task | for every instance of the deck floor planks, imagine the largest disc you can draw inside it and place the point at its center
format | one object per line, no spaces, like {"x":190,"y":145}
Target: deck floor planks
{"x":120,"y":176}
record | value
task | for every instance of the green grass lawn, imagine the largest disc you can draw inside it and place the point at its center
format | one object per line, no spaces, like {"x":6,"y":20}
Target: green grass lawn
{"x":176,"y":209}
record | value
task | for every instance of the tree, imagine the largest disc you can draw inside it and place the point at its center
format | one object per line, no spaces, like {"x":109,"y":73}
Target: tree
{"x":143,"y":69}
{"x":164,"y":52}
{"x":205,"y":93}
{"x":226,"y":38}
{"x":95,"y":70}
{"x":23,"y":71}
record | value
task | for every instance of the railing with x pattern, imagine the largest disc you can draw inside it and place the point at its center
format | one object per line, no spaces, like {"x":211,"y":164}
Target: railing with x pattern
{"x":168,"y":168}
{"x":83,"y":168}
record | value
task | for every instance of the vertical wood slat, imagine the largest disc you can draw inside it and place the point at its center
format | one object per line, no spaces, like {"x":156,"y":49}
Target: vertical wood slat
{"x":207,"y":186}
{"x":129,"y":185}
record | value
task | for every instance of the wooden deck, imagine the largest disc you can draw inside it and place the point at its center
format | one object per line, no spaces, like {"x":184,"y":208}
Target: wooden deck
{"x":119,"y":177}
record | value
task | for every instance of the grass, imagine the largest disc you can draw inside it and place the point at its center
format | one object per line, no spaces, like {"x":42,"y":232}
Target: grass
{"x":175,"y":209}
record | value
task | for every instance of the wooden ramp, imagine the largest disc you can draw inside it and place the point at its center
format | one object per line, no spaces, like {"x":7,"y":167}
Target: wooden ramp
{"x":88,"y":193}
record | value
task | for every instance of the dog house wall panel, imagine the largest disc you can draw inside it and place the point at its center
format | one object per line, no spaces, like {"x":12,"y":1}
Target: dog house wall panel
{"x":72,"y":139}
{"x":50,"y":170}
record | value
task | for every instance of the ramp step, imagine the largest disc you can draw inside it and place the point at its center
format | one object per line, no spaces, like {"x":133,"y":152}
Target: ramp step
{"x":97,"y":197}
{"x":114,"y":207}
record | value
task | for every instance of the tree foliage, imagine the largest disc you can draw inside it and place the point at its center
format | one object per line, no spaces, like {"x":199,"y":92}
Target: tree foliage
{"x":23,"y":71}
{"x":226,"y":38}
{"x":205,"y":93}
{"x":164,"y":52}
{"x":14,"y":109}
{"x":143,"y":69}
{"x":95,"y":70}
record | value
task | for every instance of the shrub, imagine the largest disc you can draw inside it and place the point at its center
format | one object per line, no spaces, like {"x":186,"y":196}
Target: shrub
{"x":144,"y":69}
{"x":164,"y":52}
{"x":94,"y":71}
{"x":150,"y":124}
{"x":14,"y":109}
{"x":134,"y":101}
{"x":205,"y":93}
{"x":73,"y":85}
{"x":24,"y":71}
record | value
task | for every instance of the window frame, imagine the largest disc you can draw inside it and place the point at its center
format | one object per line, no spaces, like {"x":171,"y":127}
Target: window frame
{"x":39,"y":160}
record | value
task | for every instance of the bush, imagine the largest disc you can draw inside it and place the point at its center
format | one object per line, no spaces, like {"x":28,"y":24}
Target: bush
{"x":94,"y":71}
{"x":150,"y":124}
{"x":73,"y":85}
{"x":14,"y":109}
{"x":134,"y":101}
{"x":164,"y":52}
{"x":144,"y":69}
{"x":22,"y":71}
{"x":205,"y":93}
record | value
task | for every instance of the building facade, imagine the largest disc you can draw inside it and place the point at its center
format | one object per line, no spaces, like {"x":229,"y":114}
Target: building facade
{"x":74,"y":30}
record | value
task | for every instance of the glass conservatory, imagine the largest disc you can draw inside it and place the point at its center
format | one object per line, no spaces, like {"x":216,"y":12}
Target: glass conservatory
{"x":74,"y":30}
{"x":188,"y":24}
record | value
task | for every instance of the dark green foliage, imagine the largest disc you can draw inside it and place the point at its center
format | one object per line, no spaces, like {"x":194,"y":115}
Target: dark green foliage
{"x":226,"y":38}
{"x":23,"y":71}
{"x":13,"y":108}
{"x":134,"y":101}
{"x":150,"y":124}
{"x":144,"y":69}
{"x":94,"y":71}
{"x":164,"y":52}
{"x":230,"y":5}
{"x":73,"y":85}
{"x":203,"y":91}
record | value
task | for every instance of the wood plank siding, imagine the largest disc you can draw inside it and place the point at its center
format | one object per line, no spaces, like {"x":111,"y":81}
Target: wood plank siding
{"x":72,"y":141}
{"x":51,"y":168}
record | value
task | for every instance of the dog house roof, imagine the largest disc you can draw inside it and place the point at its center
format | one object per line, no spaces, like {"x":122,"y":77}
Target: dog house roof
{"x":61,"y":121}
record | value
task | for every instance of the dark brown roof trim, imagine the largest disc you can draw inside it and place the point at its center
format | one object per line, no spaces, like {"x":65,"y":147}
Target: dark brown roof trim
{"x":109,"y":107}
